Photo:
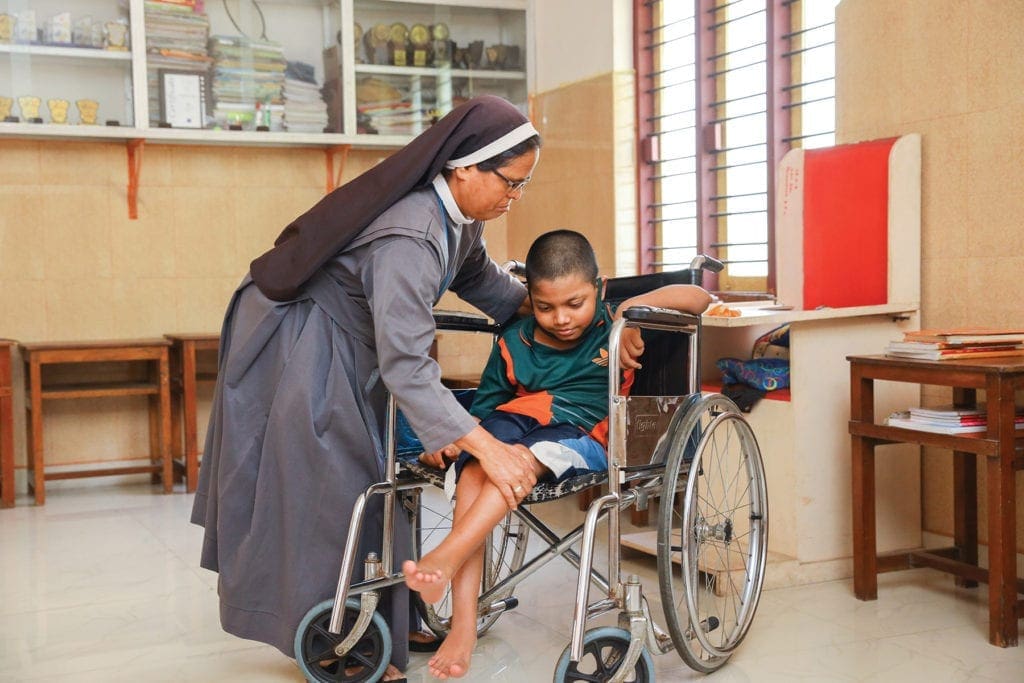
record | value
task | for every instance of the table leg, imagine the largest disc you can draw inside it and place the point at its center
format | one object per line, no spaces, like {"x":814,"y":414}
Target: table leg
{"x":965,"y":511}
{"x":37,"y":481}
{"x":1002,"y":511}
{"x":862,"y":451}
{"x":165,"y":422}
{"x":188,"y":393}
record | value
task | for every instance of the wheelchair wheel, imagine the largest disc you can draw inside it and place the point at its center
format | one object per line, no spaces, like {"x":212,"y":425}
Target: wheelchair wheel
{"x":506,"y":553}
{"x":603,"y":650}
{"x":314,"y":647}
{"x":712,"y":532}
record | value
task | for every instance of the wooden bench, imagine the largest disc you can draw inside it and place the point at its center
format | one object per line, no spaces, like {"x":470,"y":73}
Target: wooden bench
{"x":185,"y":376}
{"x":153,"y":354}
{"x":6,"y":426}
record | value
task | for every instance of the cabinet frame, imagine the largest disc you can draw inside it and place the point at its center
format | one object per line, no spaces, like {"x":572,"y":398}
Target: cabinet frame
{"x":140,"y":105}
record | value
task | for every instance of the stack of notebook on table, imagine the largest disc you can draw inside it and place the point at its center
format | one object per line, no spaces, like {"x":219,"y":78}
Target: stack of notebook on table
{"x":958,"y":343}
{"x":947,"y":419}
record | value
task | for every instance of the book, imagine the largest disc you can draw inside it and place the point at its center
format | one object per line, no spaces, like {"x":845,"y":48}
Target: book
{"x":905,"y":421}
{"x":965,"y":335}
{"x":923,"y":345}
{"x":956,"y":354}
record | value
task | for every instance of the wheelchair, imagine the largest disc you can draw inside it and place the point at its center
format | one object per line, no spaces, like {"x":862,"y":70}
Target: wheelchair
{"x":667,"y":440}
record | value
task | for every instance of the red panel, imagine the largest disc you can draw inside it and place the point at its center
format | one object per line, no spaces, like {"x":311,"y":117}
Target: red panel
{"x":846,"y":197}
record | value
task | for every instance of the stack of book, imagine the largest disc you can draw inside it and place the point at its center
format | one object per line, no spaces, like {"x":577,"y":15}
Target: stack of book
{"x":946,"y":419}
{"x":304,"y":108}
{"x":248,"y":82}
{"x":961,"y":343}
{"x":176,"y":36}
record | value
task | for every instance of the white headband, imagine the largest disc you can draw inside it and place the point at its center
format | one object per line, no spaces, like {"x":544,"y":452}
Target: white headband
{"x":506,"y":141}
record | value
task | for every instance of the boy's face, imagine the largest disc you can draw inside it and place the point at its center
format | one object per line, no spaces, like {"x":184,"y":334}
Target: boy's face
{"x":564,"y":308}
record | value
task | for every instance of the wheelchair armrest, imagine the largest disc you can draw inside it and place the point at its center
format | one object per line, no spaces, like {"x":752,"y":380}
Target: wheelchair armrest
{"x":461,"y":321}
{"x":660,"y":316}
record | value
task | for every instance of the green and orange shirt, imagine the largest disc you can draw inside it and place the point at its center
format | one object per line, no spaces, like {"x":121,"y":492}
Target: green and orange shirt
{"x":552,"y":386}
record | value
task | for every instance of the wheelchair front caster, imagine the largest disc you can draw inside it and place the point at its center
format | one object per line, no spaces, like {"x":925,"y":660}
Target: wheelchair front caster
{"x":603,"y":650}
{"x":314,"y":647}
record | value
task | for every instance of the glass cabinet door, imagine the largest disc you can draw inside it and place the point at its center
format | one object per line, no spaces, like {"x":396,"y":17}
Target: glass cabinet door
{"x":66,"y":63}
{"x":415,"y":61}
{"x":241,"y":65}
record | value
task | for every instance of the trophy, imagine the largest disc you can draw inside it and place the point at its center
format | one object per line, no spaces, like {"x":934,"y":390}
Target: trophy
{"x":419,"y":38}
{"x":87,"y":110}
{"x":376,"y":42}
{"x":442,"y":44}
{"x":398,"y":44}
{"x":117,"y":35}
{"x":357,"y":32}
{"x":58,"y":110}
{"x":474,"y":54}
{"x":29,"y":106}
{"x":6,"y":104}
{"x":6,"y":28}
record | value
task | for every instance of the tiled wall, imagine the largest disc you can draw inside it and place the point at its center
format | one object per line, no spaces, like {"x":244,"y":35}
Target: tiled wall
{"x":950,"y":71}
{"x":74,"y":267}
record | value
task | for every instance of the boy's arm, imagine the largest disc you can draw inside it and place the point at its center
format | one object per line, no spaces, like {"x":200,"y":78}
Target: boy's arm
{"x":682,"y":298}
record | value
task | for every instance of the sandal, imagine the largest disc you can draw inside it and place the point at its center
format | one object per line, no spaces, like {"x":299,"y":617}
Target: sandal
{"x":424,"y":645}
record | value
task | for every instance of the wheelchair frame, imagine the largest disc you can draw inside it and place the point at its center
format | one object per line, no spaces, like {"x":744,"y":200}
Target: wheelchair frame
{"x":677,"y":455}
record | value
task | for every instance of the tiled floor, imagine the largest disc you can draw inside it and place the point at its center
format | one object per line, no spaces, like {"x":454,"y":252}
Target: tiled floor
{"x":102,"y":584}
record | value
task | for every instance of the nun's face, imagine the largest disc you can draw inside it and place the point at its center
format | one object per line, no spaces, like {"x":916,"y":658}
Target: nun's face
{"x":484,"y":195}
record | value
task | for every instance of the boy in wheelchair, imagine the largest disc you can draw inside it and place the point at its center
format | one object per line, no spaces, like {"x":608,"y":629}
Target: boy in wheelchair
{"x":544,"y":390}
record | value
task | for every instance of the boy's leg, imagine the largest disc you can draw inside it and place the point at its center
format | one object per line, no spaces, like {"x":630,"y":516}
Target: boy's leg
{"x":453,"y":657}
{"x":433,"y":572}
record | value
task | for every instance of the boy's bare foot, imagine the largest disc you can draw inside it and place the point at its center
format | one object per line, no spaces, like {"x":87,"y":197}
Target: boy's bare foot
{"x":453,"y":657}
{"x":429,"y":583}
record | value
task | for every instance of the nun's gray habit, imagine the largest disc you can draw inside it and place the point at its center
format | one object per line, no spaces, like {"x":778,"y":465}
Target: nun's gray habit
{"x":337,"y":312}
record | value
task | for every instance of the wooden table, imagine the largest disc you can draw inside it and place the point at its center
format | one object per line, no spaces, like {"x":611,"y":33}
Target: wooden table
{"x":185,"y":377}
{"x":6,"y":426}
{"x":152,"y":353}
{"x":999,"y":378}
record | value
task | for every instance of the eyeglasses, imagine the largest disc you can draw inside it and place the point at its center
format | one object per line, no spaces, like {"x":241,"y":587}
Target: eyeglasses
{"x":513,"y":185}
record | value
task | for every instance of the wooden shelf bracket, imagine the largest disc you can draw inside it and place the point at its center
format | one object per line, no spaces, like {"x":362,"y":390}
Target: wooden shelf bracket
{"x":134,"y":148}
{"x":334,"y":180}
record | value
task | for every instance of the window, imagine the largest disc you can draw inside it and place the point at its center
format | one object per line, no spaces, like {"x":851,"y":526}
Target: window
{"x":724,"y":89}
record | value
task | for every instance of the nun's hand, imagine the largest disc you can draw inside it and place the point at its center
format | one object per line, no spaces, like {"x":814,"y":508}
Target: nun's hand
{"x":441,"y":457}
{"x":510,"y":468}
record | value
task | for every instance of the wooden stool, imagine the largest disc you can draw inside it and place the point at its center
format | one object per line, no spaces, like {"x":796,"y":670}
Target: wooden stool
{"x":6,"y":427}
{"x":151,"y":352}
{"x":185,"y":376}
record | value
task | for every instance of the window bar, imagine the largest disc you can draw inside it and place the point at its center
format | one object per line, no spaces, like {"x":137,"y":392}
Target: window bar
{"x":793,"y":34}
{"x":682,"y":158}
{"x":738,"y":147}
{"x":661,"y":27}
{"x":732,"y":20}
{"x":659,"y":72}
{"x":658,"y":117}
{"x":715,"y":74}
{"x":793,"y":138}
{"x":794,"y":86}
{"x":681,"y":246}
{"x":797,"y":51}
{"x":664,"y":204}
{"x":800,"y":103}
{"x":715,"y":8}
{"x":652,"y":46}
{"x":738,"y":50}
{"x":737,"y":99}
{"x":738,"y":116}
{"x":718,"y":214}
{"x":737,"y":196}
{"x":675,"y":130}
{"x":669,"y":85}
{"x":670,"y":175}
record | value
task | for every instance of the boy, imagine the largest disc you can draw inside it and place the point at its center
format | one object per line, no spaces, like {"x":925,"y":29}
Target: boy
{"x":545,"y":391}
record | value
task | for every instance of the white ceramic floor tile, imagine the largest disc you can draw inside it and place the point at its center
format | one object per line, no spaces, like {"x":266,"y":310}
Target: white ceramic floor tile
{"x":103,"y":584}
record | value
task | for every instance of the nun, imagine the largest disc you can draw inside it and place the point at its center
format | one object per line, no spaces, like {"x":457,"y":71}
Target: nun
{"x":335,"y":315}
